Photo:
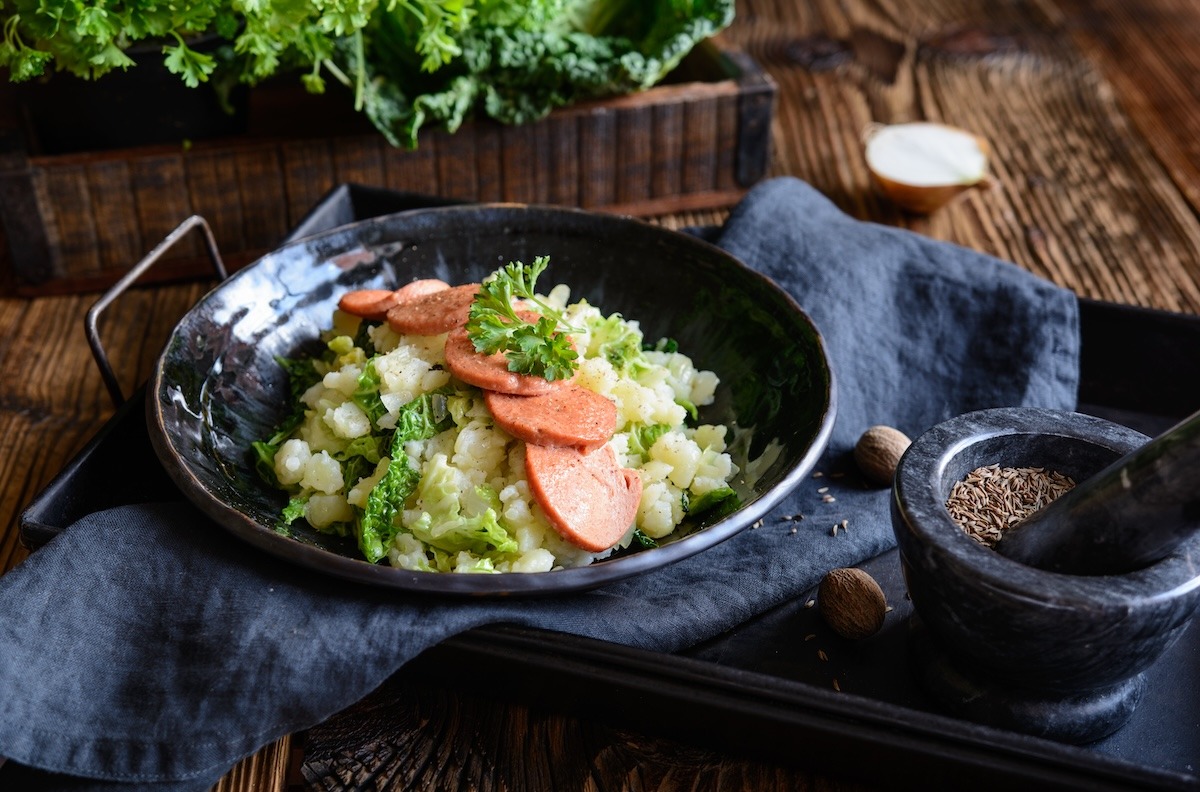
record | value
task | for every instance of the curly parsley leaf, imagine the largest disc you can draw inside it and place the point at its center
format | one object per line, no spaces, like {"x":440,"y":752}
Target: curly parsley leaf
{"x":538,"y":348}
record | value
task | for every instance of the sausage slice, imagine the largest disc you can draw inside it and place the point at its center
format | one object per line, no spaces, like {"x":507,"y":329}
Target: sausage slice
{"x":420,"y":288}
{"x":589,"y":499}
{"x":567,"y":416}
{"x":374,"y":304}
{"x":490,"y":372}
{"x":370,"y":304}
{"x":435,"y":313}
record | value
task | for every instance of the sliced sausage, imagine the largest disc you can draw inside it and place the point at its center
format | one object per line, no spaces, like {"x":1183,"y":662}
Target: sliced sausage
{"x":420,"y":288}
{"x":433,"y":314}
{"x":588,"y":498}
{"x":370,"y":304}
{"x":490,"y":372}
{"x":374,"y":304}
{"x":567,"y":416}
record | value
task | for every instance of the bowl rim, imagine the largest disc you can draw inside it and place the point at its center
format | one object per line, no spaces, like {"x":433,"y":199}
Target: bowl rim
{"x":502,"y":584}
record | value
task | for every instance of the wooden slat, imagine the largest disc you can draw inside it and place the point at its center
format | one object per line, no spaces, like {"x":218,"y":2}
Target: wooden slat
{"x":455,"y":155}
{"x":118,"y":236}
{"x":359,"y":160}
{"x":597,"y":158}
{"x":162,"y":203}
{"x":260,"y":185}
{"x":308,"y":173}
{"x":564,"y":149}
{"x":699,"y":158}
{"x":210,"y":183}
{"x":411,"y":171}
{"x":636,"y":152}
{"x":68,"y":197}
{"x":488,"y":163}
{"x":667,"y":123}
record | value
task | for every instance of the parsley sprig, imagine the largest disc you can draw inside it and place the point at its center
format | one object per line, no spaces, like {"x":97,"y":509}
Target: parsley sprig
{"x":538,"y":348}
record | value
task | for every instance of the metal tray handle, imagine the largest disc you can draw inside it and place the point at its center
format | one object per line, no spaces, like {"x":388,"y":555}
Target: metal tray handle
{"x":119,"y":288}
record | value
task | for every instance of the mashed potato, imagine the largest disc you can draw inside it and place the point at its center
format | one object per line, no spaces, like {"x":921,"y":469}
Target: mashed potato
{"x":470,"y":509}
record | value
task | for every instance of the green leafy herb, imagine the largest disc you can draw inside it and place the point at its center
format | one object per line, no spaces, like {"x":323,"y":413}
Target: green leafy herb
{"x":407,"y":63}
{"x":494,"y":325}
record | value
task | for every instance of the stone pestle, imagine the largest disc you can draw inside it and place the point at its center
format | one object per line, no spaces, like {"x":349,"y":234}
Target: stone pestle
{"x":1131,"y":514}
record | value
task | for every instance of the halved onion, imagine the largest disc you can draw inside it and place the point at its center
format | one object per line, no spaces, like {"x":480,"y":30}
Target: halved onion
{"x":920,"y":166}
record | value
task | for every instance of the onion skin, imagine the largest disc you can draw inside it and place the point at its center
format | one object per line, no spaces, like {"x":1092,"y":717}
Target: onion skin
{"x":922,"y":200}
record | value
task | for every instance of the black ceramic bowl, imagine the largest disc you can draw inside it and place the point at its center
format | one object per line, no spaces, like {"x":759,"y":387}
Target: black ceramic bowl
{"x":216,"y":387}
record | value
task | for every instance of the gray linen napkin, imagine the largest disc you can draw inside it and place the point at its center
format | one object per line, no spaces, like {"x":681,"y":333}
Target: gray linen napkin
{"x":146,"y":646}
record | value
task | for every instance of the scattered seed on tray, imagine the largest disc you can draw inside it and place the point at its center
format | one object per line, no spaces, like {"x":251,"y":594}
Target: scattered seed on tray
{"x":836,"y":686}
{"x":810,"y":603}
{"x":992,"y":499}
{"x":822,"y":656}
{"x":810,"y":636}
{"x":823,"y":490}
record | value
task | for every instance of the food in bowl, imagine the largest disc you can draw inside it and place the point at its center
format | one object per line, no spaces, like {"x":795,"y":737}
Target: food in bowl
{"x":490,"y":428}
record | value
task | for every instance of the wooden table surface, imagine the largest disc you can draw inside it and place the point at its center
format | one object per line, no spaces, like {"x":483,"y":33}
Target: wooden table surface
{"x":1091,"y":109}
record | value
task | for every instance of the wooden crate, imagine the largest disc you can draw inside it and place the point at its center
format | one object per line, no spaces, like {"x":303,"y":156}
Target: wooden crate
{"x":75,"y":222}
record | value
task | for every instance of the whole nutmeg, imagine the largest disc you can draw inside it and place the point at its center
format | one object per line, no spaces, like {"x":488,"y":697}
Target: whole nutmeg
{"x":851,"y":602}
{"x":878,"y":452}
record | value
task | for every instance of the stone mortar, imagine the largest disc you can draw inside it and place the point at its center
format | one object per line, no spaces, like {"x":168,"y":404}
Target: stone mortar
{"x":1005,"y":644}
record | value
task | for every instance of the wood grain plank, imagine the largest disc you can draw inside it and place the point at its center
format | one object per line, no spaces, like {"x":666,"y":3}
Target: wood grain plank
{"x":359,"y":160}
{"x":699,"y":156}
{"x":162,"y":203}
{"x":597,"y":158}
{"x":118,"y":238}
{"x":75,"y":232}
{"x":260,"y":185}
{"x":667,"y":131}
{"x":564,"y":154}
{"x":456,"y":179}
{"x":210,"y":176}
{"x":634,"y":144}
{"x":308,"y":173}
{"x":526,"y":165}
{"x":411,"y":171}
{"x":488,"y":163}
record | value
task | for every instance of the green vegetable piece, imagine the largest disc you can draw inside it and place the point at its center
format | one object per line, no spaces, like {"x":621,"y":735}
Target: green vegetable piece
{"x":454,"y":521}
{"x":620,"y":343}
{"x":366,"y":394}
{"x":292,"y":512}
{"x":264,"y":461}
{"x":420,"y":419}
{"x":643,"y":436}
{"x":643,"y":541}
{"x":715,"y":503}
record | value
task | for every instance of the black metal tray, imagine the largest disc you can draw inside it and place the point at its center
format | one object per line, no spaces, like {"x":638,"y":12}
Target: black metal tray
{"x":782,"y":686}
